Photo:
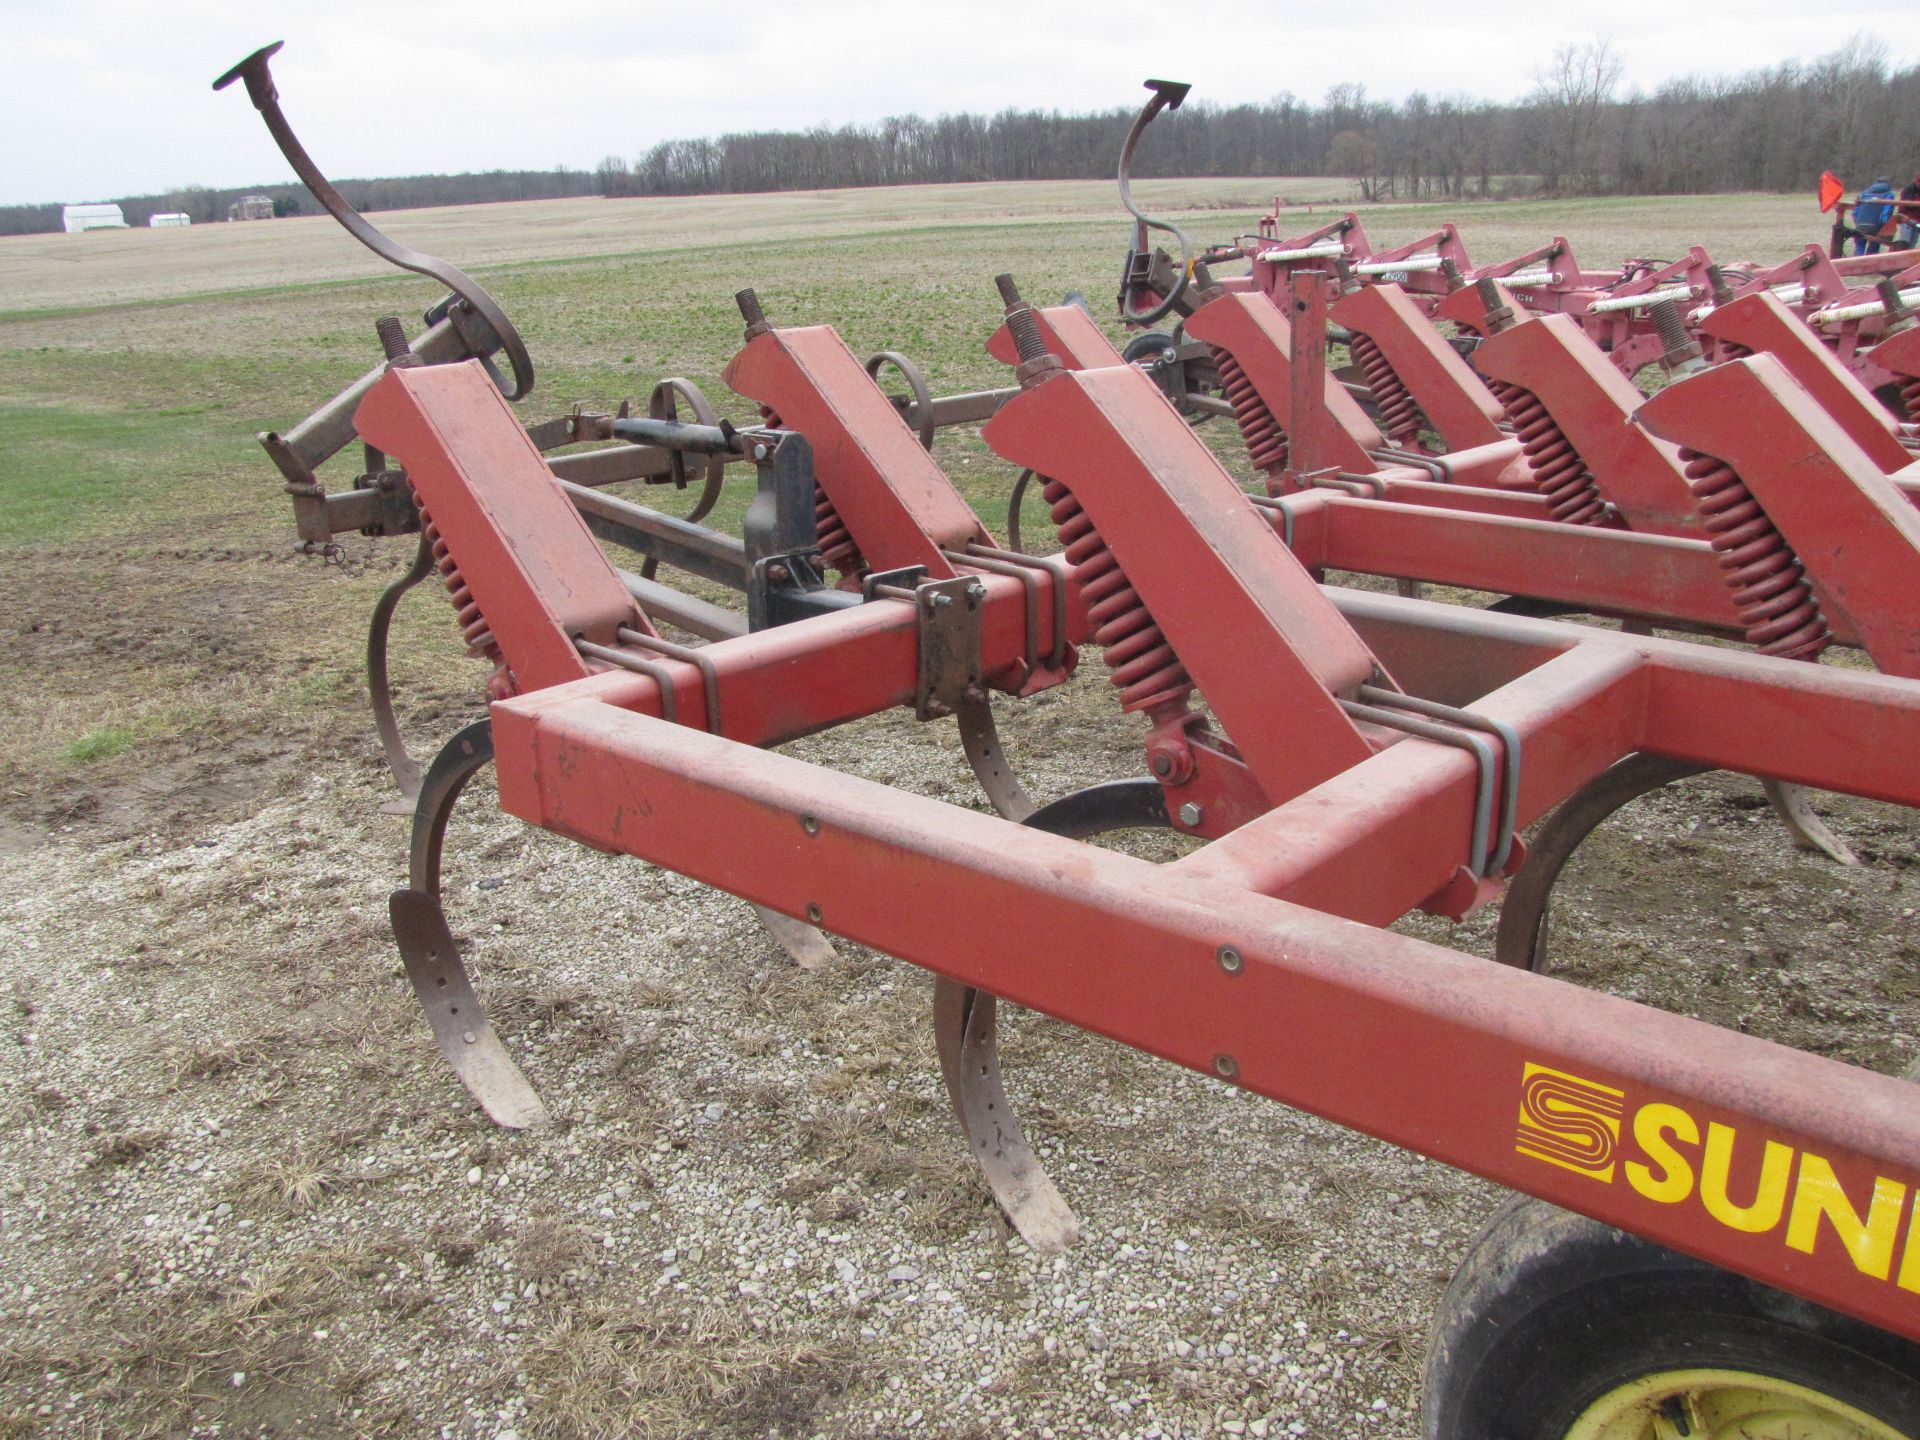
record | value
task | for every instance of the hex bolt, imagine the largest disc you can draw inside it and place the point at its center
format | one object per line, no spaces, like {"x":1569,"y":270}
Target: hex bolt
{"x":393,"y":340}
{"x":751,"y":312}
{"x":1162,"y":763}
{"x":1190,"y":814}
{"x":1230,"y":959}
{"x":760,"y":452}
{"x":1225,"y":1066}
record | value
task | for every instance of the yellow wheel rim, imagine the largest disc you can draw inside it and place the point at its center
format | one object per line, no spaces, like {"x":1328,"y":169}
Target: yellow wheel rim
{"x":1723,"y":1405}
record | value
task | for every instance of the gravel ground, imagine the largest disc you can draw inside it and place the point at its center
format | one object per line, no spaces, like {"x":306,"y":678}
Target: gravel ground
{"x":242,"y":1196}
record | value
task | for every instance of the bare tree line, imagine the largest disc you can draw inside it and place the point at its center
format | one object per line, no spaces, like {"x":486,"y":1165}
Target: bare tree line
{"x":1850,"y":111}
{"x":1772,"y":129}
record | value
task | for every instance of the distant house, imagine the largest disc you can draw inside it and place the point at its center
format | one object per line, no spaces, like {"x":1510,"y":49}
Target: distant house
{"x":167,"y":219}
{"x":251,"y":207}
{"x":92,"y":217}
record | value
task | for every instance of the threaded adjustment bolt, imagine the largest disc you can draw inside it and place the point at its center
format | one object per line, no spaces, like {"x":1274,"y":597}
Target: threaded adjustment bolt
{"x":1027,"y":339}
{"x":1498,"y":315}
{"x":1717,"y":280}
{"x":1891,"y":299}
{"x":1683,"y":353}
{"x":393,"y":340}
{"x":1671,"y":328}
{"x":751,"y":312}
{"x":1009,"y":292}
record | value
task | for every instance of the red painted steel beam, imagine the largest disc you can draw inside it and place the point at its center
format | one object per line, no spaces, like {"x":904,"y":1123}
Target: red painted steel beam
{"x":1591,"y":402}
{"x":1854,"y":531}
{"x":1665,"y":578}
{"x":898,"y":505}
{"x":1250,"y":328}
{"x":1760,"y":324}
{"x":1072,"y":338}
{"x":1826,"y":726}
{"x":1406,"y":1041}
{"x":793,"y":680}
{"x":1899,"y":354}
{"x":1246,"y":620}
{"x":1381,"y":837}
{"x":535,"y":576}
{"x":1458,"y":403}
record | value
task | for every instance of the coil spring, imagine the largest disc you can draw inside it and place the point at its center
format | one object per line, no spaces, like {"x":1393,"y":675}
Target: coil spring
{"x":1400,"y":417}
{"x":1557,"y":469}
{"x":1266,"y":441}
{"x":1770,"y":590}
{"x":1145,"y":670}
{"x":833,"y":537}
{"x":473,"y":625}
{"x":830,"y":532}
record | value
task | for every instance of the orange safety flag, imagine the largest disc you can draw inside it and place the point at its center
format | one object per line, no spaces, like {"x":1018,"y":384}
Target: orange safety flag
{"x":1832,"y":187}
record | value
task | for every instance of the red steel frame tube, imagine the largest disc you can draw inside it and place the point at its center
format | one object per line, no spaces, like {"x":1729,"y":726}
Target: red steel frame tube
{"x":1410,"y":1042}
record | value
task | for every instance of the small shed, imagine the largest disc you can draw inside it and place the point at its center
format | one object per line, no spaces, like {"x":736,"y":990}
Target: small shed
{"x":168,"y":219}
{"x":92,"y":217}
{"x":251,"y":207}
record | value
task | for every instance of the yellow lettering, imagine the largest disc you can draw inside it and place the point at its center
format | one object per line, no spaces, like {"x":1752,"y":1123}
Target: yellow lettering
{"x":1651,"y":1125}
{"x":1770,"y":1193}
{"x":1910,"y":1262}
{"x":1869,"y":1241}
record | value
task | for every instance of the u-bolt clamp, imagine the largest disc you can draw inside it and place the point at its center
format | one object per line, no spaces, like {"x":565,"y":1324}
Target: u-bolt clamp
{"x":266,"y":99}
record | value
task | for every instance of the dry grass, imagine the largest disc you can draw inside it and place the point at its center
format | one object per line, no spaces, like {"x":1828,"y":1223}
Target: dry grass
{"x":1237,"y":1215}
{"x":152,"y":1355}
{"x":603,"y":1372}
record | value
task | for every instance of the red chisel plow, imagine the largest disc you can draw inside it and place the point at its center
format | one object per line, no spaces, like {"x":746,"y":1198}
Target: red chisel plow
{"x":1343,"y":757}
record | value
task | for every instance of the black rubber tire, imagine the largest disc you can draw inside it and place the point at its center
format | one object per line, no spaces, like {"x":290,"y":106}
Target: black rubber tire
{"x":1550,"y":1311}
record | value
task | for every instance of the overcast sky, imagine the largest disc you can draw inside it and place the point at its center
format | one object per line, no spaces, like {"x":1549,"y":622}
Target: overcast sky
{"x":110,"y":97}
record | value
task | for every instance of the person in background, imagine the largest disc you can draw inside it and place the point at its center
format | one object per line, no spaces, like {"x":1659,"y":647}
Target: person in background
{"x":1908,"y":214}
{"x":1870,"y":215}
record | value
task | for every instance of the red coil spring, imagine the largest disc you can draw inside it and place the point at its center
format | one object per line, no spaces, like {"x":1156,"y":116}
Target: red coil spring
{"x":473,"y":625}
{"x":1266,"y":441}
{"x":829,"y":530}
{"x":1558,"y":471}
{"x":1145,"y":670}
{"x":1770,"y":591}
{"x":835,"y":540}
{"x":1400,"y":418}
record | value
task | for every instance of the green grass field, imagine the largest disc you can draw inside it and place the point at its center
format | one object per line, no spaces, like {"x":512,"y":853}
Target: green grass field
{"x":143,"y":535}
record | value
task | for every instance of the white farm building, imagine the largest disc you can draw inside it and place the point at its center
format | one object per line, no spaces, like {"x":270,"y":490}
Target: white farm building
{"x":166,"y":219}
{"x":93,"y":217}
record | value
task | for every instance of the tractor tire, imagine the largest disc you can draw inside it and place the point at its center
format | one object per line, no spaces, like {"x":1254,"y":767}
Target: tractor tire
{"x":1557,"y":1327}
